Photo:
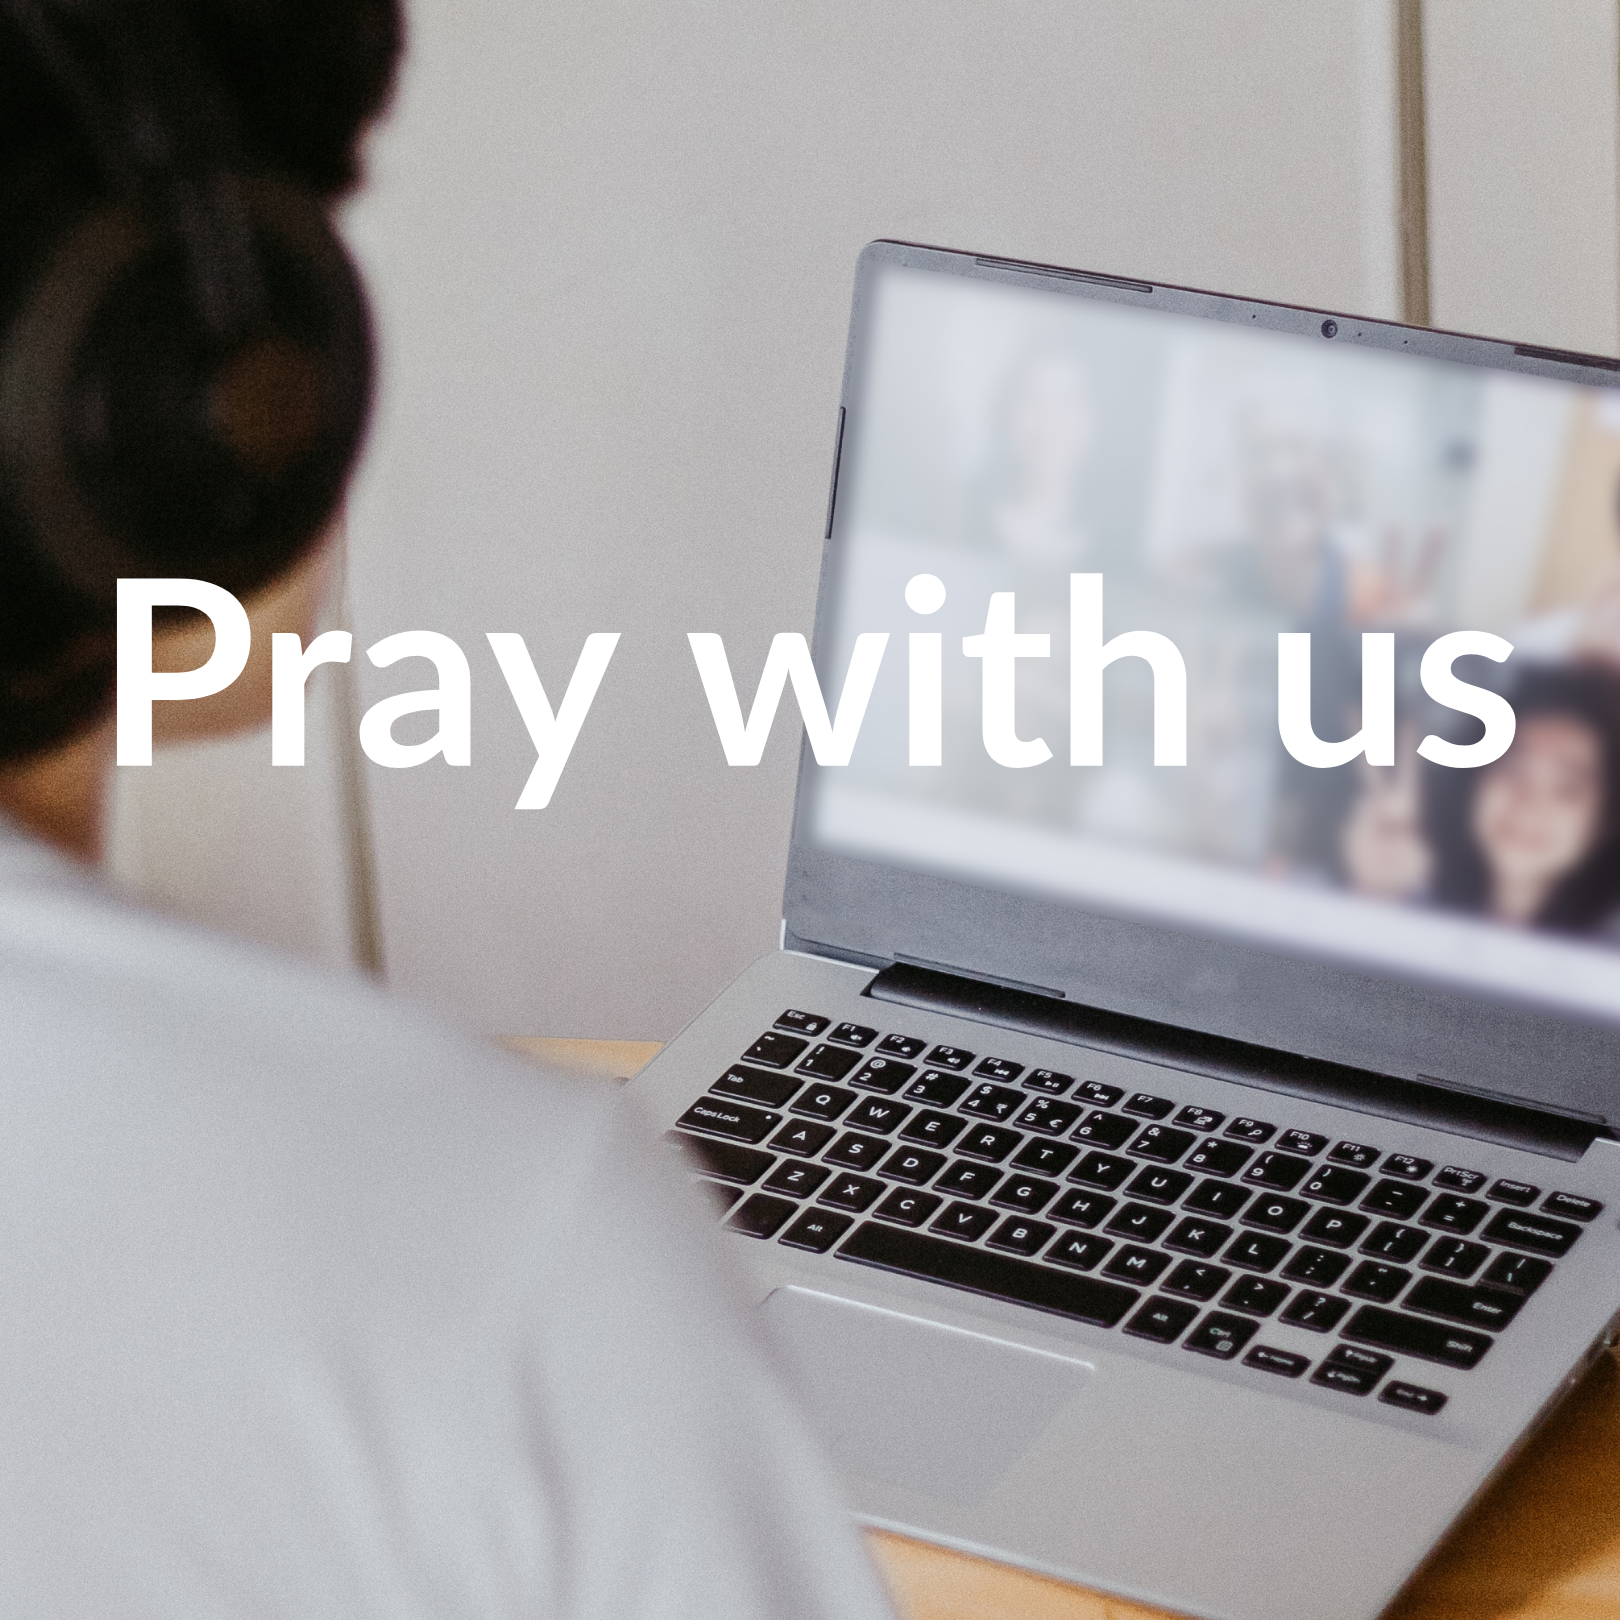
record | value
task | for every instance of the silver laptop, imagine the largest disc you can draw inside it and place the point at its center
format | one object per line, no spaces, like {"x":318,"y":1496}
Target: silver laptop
{"x":1192,"y":1181}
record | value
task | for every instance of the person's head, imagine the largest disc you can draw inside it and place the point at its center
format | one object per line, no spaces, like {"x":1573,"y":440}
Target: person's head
{"x":1290,"y":491}
{"x":1535,"y":837}
{"x":184,"y":353}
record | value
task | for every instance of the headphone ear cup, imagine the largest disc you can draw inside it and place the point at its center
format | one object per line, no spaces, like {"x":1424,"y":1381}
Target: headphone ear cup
{"x":133,"y":441}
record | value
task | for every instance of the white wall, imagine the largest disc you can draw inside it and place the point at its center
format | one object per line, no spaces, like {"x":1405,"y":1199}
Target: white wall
{"x":611,"y":247}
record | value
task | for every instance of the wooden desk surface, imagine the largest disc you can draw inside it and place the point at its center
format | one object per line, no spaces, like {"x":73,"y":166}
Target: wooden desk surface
{"x":1543,"y":1545}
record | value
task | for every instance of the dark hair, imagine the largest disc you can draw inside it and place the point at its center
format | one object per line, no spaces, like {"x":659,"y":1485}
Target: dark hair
{"x":1584,"y":897}
{"x":302,"y":79}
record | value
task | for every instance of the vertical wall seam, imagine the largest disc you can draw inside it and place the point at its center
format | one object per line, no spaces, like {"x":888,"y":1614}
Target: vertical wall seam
{"x":1414,"y":172}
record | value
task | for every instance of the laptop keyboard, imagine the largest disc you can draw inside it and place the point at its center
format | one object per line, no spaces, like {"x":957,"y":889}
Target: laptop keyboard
{"x":1172,"y":1223}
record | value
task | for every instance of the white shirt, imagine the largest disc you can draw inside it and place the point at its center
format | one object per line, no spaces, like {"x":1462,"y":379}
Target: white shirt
{"x":311,"y":1308}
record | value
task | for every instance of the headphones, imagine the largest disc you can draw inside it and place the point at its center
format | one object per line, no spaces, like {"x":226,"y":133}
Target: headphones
{"x":186,"y":381}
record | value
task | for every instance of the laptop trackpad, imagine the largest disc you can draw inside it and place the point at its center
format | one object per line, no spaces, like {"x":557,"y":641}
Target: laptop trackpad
{"x":932,"y":1409}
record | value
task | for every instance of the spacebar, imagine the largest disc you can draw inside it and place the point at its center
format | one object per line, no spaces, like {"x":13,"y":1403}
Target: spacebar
{"x":1016,"y":1281}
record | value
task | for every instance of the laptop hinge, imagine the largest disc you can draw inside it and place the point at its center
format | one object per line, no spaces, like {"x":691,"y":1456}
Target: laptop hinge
{"x":1415,"y":1101}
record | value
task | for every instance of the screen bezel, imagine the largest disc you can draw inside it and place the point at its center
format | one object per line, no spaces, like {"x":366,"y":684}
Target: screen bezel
{"x":846,"y":906}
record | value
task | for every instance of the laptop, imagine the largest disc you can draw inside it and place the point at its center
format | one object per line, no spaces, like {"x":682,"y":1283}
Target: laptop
{"x":1189,"y":1180}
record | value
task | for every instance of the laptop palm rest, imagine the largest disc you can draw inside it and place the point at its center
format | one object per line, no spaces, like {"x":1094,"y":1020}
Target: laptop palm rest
{"x":899,"y":1401}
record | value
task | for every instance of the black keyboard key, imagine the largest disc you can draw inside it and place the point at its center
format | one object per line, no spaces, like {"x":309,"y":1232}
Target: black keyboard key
{"x":1514,"y":1192}
{"x":1319,"y":1313}
{"x":964,"y":1180}
{"x":1020,"y":1236}
{"x":1221,"y":1335}
{"x":802,"y":1136}
{"x":1048,"y":1115}
{"x":1080,"y":1250}
{"x":795,"y":1179}
{"x":1449,"y":1213}
{"x":1161,"y":1320}
{"x":1217,"y":1198}
{"x":1102,"y":1170}
{"x":1105,"y":1130}
{"x":1413,"y":1336}
{"x":1139,"y":1221}
{"x":901,"y":1046}
{"x":1406,"y":1167}
{"x":1453,"y":1178}
{"x":775,"y":1051}
{"x":856,"y":1152}
{"x":1455,"y":1258}
{"x":1251,"y":1130}
{"x":829,"y":1062}
{"x":1195,"y":1235}
{"x":1335,"y":1185}
{"x":882,"y":1074}
{"x":822,"y":1102}
{"x":1049,"y":1081}
{"x":1093,"y":1091}
{"x":816,"y":1230}
{"x":994,"y":1068}
{"x":801,"y":1023}
{"x":913,"y":1165}
{"x":1538,"y":1233}
{"x":876,"y":1114}
{"x":1411,"y":1397}
{"x":1134,"y":1264}
{"x":852,"y":1035}
{"x":992,"y":1142}
{"x":1570,"y":1204}
{"x":991,"y":1102}
{"x":1356,"y":1154}
{"x":1351,"y":1372}
{"x":1335,"y":1226}
{"x":1393,"y":1242}
{"x":997,"y":1276}
{"x":1256,"y":1251}
{"x":1027,"y":1194}
{"x":907,"y":1207}
{"x":1372,"y":1279}
{"x":761,"y":1216}
{"x":1050,"y":1158}
{"x":741,"y":1123}
{"x":1517,"y":1271}
{"x":726,"y":1161}
{"x":933,"y":1129}
{"x":1199,"y":1119}
{"x":1283,"y":1362}
{"x":1197,"y":1280}
{"x":1491,"y":1308}
{"x":1319,"y":1267}
{"x":1306,"y":1142}
{"x":1274,"y":1214}
{"x":1216,"y":1158}
{"x":1159,"y":1186}
{"x":852,"y":1192}
{"x":1255,"y":1296}
{"x":1163,"y":1143}
{"x":1147,"y":1106}
{"x":1395,"y":1198}
{"x":936,"y":1087}
{"x":1081,"y":1207}
{"x":965,"y":1221}
{"x":950,"y":1057}
{"x":756,"y":1085}
{"x":1281,"y":1172}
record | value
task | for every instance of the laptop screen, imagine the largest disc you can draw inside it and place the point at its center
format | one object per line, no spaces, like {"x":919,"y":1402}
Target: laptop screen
{"x":1231,"y":483}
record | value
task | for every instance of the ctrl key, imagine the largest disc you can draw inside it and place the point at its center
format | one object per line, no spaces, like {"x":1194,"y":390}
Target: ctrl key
{"x":760,"y":1216}
{"x":1412,"y":1397}
{"x":1220,"y":1335}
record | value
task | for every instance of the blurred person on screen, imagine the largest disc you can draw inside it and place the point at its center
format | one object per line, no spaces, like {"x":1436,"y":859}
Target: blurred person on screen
{"x":314,"y":1307}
